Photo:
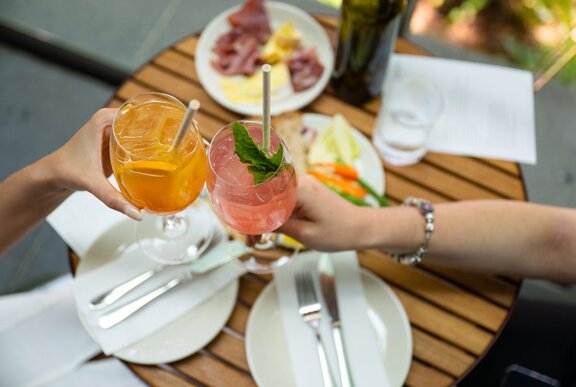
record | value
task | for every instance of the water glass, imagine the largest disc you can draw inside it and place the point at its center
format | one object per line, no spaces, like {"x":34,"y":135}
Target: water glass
{"x":410,"y":108}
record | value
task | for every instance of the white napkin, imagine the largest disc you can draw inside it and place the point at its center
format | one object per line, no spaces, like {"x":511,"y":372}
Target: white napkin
{"x":158,"y":313}
{"x":82,"y":218}
{"x":41,"y":337}
{"x":107,"y":372}
{"x":360,"y":341}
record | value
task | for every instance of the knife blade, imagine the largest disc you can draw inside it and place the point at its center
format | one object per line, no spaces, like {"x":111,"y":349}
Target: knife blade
{"x":328,"y":286}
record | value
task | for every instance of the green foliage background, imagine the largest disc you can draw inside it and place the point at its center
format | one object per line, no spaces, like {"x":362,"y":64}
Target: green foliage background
{"x":520,"y":45}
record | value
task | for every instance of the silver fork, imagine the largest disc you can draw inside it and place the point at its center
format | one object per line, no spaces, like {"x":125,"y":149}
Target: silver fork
{"x":310,"y":309}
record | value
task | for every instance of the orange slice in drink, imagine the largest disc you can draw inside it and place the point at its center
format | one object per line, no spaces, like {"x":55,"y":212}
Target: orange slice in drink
{"x":152,"y":167}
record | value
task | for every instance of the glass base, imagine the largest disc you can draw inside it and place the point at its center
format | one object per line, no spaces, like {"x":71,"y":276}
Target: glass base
{"x":179,"y":238}
{"x":265,"y":242}
{"x":253,"y":265}
{"x":266,"y":266}
{"x":395,"y":155}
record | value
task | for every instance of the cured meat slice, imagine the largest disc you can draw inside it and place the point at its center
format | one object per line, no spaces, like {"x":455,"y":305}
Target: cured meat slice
{"x":253,"y":19}
{"x":305,"y":68}
{"x":237,"y":54}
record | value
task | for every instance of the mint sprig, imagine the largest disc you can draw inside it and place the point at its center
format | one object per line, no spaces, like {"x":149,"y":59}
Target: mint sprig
{"x":262,"y":165}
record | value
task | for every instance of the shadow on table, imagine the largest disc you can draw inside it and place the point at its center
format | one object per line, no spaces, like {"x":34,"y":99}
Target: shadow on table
{"x":539,"y":343}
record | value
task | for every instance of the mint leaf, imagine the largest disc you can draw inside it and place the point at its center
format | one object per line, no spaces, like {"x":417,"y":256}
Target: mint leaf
{"x":261,"y":164}
{"x":278,"y":156}
{"x":248,"y":151}
{"x":260,"y":176}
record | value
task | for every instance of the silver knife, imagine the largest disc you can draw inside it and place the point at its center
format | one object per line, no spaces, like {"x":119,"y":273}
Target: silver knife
{"x":328,"y":285}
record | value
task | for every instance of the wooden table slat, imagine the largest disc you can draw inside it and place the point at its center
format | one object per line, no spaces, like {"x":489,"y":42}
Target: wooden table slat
{"x":239,"y":318}
{"x":188,"y":45}
{"x":155,"y":376}
{"x":178,"y":63}
{"x":443,"y":182}
{"x":249,"y":290}
{"x":512,"y":168}
{"x":442,"y":355}
{"x":210,"y":371}
{"x":482,"y":173}
{"x":491,"y":287}
{"x":398,"y":188}
{"x":423,"y":375}
{"x":434,"y":290}
{"x":229,"y":348}
{"x":452,"y":329}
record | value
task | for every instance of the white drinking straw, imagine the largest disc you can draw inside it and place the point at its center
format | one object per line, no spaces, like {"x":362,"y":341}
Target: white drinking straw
{"x":193,"y":107}
{"x":266,"y":108}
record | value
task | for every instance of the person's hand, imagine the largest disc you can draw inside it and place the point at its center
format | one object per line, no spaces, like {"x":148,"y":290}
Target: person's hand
{"x":83,"y":163}
{"x":322,"y":220}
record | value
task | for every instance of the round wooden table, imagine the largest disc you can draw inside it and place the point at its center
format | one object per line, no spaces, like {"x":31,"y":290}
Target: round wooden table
{"x":455,"y":315}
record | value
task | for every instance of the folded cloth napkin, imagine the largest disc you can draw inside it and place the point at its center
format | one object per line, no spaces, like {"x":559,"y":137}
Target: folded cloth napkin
{"x":83,"y":221}
{"x":41,"y":337}
{"x":362,"y":348}
{"x":159,"y":313}
{"x":82,"y":218}
{"x":105,"y":372}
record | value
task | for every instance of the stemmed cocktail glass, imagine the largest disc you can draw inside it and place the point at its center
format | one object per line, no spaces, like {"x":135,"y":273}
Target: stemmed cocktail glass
{"x":161,"y":176}
{"x":250,"y":207}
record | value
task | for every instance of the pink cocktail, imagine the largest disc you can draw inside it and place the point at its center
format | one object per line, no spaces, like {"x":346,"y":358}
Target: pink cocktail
{"x":249,"y":208}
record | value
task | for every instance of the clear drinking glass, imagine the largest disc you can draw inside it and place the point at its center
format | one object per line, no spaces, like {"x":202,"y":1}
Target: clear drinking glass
{"x":160,"y":180}
{"x":252,"y":209}
{"x":410,"y":109}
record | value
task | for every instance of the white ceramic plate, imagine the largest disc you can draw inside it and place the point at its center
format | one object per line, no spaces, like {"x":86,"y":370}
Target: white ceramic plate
{"x":368,"y":163}
{"x":313,"y":35}
{"x":178,"y":339}
{"x":266,"y":348}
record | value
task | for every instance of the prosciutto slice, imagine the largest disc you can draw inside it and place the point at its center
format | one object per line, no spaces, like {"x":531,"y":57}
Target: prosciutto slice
{"x":253,"y":19}
{"x":305,"y":68}
{"x":237,"y":53}
{"x":238,"y":50}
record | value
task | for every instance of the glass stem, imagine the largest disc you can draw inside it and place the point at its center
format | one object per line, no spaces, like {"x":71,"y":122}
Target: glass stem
{"x":265,"y":242}
{"x":173,"y":225}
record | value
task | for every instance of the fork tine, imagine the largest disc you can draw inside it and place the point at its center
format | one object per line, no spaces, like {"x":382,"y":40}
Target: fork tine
{"x":309,"y":287}
{"x":299,"y":287}
{"x":303,"y":289}
{"x":311,"y":312}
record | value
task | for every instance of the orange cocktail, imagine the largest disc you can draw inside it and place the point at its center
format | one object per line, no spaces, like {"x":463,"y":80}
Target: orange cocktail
{"x":151,"y":175}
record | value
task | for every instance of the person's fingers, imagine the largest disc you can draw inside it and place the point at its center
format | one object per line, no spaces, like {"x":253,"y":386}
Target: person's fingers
{"x":105,"y":152}
{"x":106,"y":193}
{"x":251,"y":240}
{"x":104,"y":116}
{"x":294,"y":227}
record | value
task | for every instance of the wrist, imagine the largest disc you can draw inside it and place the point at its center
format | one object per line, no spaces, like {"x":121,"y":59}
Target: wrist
{"x":426,"y":209}
{"x":45,"y":176}
{"x":393,"y":230}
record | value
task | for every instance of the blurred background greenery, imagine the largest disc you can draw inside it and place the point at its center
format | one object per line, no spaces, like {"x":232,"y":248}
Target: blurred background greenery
{"x":531,"y":34}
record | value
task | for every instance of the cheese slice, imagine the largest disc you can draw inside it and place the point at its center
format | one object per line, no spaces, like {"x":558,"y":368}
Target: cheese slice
{"x":249,"y":89}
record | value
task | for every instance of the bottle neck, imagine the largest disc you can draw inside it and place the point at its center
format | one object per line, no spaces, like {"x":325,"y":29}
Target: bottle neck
{"x":374,"y":10}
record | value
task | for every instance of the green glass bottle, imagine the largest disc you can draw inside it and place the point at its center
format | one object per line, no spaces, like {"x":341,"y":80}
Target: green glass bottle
{"x":366,"y":38}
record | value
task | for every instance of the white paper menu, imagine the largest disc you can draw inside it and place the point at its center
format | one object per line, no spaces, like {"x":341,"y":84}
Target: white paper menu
{"x":488,"y":110}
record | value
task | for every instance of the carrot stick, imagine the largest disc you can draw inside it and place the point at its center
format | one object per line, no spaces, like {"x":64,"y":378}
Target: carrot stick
{"x":348,"y":186}
{"x":352,"y":199}
{"x":341,"y":169}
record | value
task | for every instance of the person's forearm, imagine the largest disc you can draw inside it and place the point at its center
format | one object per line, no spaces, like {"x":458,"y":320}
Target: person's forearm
{"x":500,"y":236}
{"x":26,"y":198}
